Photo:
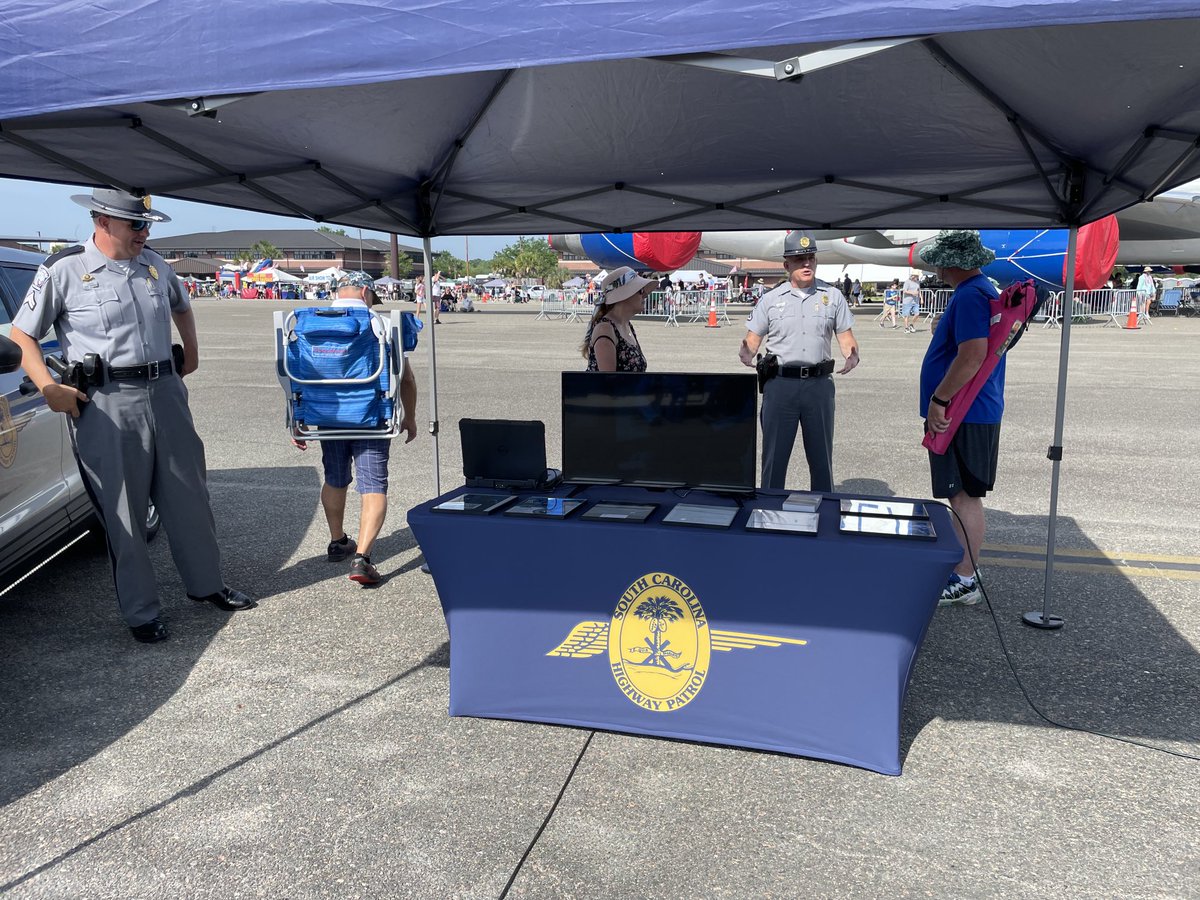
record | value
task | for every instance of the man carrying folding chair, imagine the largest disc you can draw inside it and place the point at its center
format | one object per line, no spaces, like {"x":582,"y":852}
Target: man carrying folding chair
{"x":365,"y":457}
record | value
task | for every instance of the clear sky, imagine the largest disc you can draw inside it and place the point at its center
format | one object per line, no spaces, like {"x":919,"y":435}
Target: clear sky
{"x":29,"y":208}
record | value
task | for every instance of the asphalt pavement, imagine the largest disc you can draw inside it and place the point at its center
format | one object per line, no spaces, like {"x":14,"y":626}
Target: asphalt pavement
{"x":303,"y":749}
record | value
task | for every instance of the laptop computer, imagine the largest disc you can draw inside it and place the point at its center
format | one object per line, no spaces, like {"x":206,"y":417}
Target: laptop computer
{"x":505,"y":454}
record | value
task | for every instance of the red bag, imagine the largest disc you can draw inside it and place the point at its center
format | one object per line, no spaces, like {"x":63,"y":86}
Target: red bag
{"x":1011,"y":312}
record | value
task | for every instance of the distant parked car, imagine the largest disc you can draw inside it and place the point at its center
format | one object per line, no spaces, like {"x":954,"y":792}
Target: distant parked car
{"x":42,"y":498}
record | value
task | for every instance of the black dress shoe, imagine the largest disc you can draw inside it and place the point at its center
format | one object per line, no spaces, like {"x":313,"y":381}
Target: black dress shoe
{"x":227,"y":599}
{"x":150,"y":633}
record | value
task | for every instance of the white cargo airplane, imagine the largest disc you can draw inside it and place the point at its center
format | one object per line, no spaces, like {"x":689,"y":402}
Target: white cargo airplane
{"x":1160,"y":232}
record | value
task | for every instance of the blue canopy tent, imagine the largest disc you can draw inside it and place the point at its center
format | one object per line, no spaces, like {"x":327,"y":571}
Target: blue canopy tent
{"x":500,"y":117}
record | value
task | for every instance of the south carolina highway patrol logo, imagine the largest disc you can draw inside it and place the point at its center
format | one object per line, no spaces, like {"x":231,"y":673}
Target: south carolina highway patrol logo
{"x":659,"y":643}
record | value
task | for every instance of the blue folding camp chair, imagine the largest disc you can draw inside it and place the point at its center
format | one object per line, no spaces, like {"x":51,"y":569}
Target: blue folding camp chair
{"x":340,"y":370}
{"x":1170,"y":300}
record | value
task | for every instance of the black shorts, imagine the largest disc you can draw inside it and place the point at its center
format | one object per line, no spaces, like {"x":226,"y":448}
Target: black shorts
{"x":969,"y":463}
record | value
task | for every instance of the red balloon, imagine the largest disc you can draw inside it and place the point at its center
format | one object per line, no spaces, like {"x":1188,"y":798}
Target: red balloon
{"x":1096,"y":254}
{"x":665,"y":251}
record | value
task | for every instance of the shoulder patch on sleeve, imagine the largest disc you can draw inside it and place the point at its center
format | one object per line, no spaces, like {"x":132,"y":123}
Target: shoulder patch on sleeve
{"x":63,"y":254}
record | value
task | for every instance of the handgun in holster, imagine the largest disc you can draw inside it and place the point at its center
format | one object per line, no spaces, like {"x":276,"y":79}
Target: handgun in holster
{"x":177,"y":358}
{"x":767,"y":367}
{"x":80,"y":375}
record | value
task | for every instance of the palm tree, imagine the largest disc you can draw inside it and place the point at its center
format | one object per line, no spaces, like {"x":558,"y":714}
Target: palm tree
{"x":659,"y":611}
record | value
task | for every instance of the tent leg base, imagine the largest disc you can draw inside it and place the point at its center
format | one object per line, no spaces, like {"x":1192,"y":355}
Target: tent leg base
{"x":1042,"y":621}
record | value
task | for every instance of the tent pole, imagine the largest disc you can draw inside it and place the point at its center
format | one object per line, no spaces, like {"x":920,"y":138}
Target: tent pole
{"x":433,"y":410}
{"x":1043,"y":619}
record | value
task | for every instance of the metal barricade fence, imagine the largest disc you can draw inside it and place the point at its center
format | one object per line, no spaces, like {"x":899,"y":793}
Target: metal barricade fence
{"x":1109,"y":304}
{"x":669,"y":306}
{"x":554,"y":306}
{"x":933,"y":302}
{"x":578,"y":307}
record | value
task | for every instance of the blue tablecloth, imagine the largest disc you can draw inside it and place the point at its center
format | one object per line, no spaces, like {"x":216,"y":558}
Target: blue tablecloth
{"x":795,"y":643}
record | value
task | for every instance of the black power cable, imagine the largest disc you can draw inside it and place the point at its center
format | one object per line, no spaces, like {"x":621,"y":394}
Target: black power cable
{"x":1016,"y":677}
{"x":549,"y":815}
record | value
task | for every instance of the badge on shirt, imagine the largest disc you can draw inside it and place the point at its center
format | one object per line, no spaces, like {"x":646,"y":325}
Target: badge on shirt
{"x":153,"y":272}
{"x":87,"y":276}
{"x":824,"y":300}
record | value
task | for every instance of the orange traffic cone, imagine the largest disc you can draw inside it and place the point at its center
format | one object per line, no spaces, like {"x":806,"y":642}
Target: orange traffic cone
{"x":1131,"y":324}
{"x":712,"y":313}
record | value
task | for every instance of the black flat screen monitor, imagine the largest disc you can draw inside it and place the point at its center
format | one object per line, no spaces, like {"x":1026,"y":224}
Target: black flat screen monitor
{"x":661,"y":429}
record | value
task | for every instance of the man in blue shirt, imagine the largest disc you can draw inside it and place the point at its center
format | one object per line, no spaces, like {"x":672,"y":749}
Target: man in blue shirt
{"x":967,"y":470}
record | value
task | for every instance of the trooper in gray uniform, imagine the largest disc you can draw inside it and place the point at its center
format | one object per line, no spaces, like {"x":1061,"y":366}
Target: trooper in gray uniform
{"x":131,"y":427}
{"x":798,"y":319}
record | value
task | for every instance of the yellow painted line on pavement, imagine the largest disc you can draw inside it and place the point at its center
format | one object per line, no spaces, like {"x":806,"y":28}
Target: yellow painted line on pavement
{"x":1111,"y":566}
{"x":1061,"y":552}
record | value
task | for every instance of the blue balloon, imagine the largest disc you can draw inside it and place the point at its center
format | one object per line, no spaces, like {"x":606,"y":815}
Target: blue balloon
{"x":610,"y":251}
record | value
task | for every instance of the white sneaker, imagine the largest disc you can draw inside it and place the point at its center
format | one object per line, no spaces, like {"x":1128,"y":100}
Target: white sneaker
{"x":958,"y":593}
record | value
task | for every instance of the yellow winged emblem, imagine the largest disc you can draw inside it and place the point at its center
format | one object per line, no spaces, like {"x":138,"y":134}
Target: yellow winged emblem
{"x":591,"y":639}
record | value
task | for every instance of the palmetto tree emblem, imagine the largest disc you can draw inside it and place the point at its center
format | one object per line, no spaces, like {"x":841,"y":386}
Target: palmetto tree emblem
{"x":659,"y":612}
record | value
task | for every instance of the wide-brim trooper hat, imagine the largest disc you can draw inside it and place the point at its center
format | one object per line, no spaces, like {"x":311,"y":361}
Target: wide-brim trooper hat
{"x":621,"y":284}
{"x":956,"y":249}
{"x":111,"y":202}
{"x":799,"y":243}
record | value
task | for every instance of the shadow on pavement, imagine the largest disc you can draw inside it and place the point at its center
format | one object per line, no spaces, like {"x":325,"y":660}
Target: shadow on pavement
{"x":75,"y":681}
{"x":438,"y":657}
{"x":1118,"y":666}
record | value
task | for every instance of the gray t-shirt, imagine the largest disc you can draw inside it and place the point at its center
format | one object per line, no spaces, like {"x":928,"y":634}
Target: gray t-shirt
{"x":799,"y":325}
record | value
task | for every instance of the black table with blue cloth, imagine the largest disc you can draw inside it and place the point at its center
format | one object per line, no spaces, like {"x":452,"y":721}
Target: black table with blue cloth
{"x":800,"y":644}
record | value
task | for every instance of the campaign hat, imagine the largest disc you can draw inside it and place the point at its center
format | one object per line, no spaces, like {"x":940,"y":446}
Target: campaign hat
{"x":120,"y":205}
{"x":799,"y":243}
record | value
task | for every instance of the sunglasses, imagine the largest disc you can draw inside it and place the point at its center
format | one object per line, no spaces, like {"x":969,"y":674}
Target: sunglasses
{"x":134,"y":224}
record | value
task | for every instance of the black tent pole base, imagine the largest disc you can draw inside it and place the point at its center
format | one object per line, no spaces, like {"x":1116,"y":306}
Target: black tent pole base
{"x":1041,"y":620}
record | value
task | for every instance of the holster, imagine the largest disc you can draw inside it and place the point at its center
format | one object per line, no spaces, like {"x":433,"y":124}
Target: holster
{"x":767,"y":367}
{"x":80,"y":375}
{"x":177,"y":358}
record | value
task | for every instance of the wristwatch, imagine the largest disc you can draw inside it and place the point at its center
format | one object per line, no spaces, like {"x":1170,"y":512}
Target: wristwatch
{"x":939,"y":401}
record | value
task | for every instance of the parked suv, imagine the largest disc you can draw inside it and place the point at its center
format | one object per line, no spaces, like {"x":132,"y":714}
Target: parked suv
{"x":42,"y":498}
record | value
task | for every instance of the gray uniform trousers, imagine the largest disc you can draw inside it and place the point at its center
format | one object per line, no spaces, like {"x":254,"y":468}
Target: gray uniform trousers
{"x":786,"y":404}
{"x":135,"y":441}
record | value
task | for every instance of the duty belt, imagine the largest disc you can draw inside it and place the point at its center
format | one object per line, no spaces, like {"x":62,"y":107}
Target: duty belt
{"x":148,"y":371}
{"x":816,"y":371}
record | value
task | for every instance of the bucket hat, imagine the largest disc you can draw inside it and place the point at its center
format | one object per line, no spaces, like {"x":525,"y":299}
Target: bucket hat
{"x":356,"y":279}
{"x":956,"y":249}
